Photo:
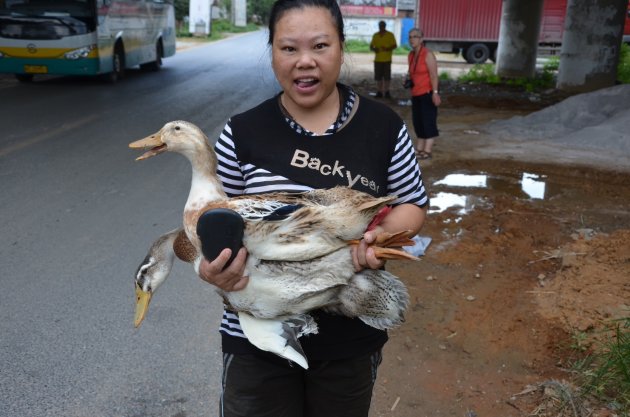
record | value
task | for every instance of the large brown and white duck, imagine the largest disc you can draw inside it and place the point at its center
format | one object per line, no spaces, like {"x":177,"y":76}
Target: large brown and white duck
{"x":298,"y":244}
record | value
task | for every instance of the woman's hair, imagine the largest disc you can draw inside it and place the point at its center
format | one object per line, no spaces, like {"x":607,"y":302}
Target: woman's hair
{"x":416,"y":30}
{"x":281,"y":6}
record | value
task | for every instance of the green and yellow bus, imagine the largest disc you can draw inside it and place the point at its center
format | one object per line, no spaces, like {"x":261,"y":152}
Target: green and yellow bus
{"x":84,"y":37}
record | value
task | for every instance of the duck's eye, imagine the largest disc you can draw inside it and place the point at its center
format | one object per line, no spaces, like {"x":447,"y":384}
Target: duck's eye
{"x":177,"y":128}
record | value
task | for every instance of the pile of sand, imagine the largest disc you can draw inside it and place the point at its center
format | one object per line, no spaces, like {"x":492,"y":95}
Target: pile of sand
{"x":596,"y":120}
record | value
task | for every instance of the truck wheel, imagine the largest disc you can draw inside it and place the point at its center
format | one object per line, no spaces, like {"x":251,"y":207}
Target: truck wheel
{"x":477,"y":53}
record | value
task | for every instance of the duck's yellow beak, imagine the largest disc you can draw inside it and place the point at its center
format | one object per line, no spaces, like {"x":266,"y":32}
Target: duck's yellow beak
{"x":143,"y":299}
{"x":154,"y":142}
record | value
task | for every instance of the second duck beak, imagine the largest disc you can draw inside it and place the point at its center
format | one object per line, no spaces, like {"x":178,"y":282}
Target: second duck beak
{"x":154,"y":142}
{"x":143,"y":299}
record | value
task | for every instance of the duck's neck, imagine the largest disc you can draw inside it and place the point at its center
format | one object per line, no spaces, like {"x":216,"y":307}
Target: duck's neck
{"x":205,"y":186}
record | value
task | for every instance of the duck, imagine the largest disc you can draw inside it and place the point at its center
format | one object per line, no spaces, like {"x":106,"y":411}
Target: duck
{"x":298,"y":251}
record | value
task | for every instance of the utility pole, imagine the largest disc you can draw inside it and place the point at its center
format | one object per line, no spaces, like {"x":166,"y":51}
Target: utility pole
{"x":239,"y":13}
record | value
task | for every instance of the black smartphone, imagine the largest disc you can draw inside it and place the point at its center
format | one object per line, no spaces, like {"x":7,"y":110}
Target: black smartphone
{"x":219,"y":229}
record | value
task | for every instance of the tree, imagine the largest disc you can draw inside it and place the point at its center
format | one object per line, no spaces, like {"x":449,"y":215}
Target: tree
{"x":261,"y":8}
{"x":182,"y":8}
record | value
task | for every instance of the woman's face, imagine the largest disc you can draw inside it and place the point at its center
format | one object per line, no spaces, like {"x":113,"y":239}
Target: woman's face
{"x":306,"y":56}
{"x":415,"y":39}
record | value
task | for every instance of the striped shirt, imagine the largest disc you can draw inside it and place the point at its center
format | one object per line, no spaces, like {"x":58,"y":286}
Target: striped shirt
{"x":404,"y":177}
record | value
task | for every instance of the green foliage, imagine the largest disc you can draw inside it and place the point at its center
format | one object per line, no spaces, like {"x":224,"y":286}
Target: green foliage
{"x":355,"y":45}
{"x":219,"y":28}
{"x":605,"y":373}
{"x":222,"y":25}
{"x":552,"y":64}
{"x":623,"y":69}
{"x":444,"y":76}
{"x":181,"y":9}
{"x":484,"y":74}
{"x":481,"y":74}
{"x":261,"y":8}
{"x":359,"y":46}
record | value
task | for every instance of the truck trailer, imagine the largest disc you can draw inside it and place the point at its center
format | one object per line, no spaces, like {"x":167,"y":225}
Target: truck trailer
{"x":472,"y":27}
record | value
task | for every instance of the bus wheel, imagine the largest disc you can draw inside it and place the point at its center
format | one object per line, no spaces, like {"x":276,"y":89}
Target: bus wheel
{"x":157,"y":64}
{"x":477,"y":53}
{"x":118,"y":65}
{"x":24,"y":78}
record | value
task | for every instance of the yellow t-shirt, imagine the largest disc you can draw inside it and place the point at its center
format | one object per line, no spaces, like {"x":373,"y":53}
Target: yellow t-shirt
{"x":386,"y":40}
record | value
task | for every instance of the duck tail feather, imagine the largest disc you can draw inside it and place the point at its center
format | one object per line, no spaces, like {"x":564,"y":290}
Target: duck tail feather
{"x":279,"y":336}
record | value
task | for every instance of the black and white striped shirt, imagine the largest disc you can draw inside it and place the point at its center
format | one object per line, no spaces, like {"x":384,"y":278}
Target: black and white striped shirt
{"x":404,"y":177}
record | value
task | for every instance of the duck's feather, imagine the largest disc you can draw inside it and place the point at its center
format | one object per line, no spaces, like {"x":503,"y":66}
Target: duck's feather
{"x":297,"y":227}
{"x":279,"y":336}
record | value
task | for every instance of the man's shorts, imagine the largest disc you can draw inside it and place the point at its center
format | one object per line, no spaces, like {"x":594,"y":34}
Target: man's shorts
{"x":382,"y":71}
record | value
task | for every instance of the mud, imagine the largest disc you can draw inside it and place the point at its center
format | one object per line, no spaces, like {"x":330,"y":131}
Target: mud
{"x":529,"y":249}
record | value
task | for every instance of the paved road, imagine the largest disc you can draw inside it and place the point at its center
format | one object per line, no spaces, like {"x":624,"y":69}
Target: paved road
{"x":77,"y":214}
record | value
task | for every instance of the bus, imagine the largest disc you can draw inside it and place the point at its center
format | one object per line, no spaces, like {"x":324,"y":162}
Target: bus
{"x":84,"y":37}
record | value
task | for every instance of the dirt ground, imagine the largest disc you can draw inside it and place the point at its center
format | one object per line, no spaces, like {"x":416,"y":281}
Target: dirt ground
{"x":528,"y":260}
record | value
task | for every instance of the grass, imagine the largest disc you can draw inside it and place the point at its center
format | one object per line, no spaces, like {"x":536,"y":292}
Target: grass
{"x":544,"y":79}
{"x":220,"y":27}
{"x":485,"y":74}
{"x":359,"y":46}
{"x":623,"y":69}
{"x":605,"y":372}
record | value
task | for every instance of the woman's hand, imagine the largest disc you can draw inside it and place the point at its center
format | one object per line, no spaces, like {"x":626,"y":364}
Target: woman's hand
{"x":230,"y":279}
{"x":363,"y":256}
{"x":437,"y":100}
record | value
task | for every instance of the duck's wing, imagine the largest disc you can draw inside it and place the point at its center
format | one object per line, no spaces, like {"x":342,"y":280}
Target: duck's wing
{"x":296,"y":227}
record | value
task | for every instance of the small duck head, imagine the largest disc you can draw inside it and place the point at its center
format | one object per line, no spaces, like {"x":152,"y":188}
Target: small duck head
{"x":152,"y":272}
{"x":177,"y":136}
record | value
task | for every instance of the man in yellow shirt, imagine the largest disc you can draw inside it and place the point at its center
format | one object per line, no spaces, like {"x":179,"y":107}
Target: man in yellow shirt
{"x":383,"y":44}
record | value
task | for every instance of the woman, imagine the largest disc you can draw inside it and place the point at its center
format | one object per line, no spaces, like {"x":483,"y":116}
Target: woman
{"x":313,"y":118}
{"x":425,"y":97}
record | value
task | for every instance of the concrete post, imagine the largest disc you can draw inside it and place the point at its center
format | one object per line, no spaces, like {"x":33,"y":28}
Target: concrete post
{"x":590,"y":44}
{"x":239,"y":13}
{"x":518,"y":38}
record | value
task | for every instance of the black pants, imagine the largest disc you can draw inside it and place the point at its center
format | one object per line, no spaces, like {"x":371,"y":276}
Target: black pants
{"x":424,"y":116}
{"x":259,"y":387}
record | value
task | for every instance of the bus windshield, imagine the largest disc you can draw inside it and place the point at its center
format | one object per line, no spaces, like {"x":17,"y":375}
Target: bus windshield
{"x":46,"y":19}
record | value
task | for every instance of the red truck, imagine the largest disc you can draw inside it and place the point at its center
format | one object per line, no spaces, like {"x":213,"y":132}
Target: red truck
{"x":472,"y":26}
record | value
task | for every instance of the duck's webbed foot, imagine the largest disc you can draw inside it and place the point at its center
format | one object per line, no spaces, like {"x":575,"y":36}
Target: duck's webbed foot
{"x":389,"y":245}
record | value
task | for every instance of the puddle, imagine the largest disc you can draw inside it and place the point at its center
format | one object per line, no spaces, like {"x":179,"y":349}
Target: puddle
{"x":581,"y":197}
{"x":528,"y":185}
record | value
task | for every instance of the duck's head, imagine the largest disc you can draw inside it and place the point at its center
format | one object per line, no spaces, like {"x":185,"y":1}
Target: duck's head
{"x":152,"y":272}
{"x":178,"y":136}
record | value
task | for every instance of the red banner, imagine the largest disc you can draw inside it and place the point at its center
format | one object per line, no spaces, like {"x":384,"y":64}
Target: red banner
{"x":368,"y":10}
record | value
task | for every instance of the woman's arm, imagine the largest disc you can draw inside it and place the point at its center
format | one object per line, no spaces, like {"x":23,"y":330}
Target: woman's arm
{"x":433,"y":76}
{"x":403,"y":217}
{"x":411,"y":207}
